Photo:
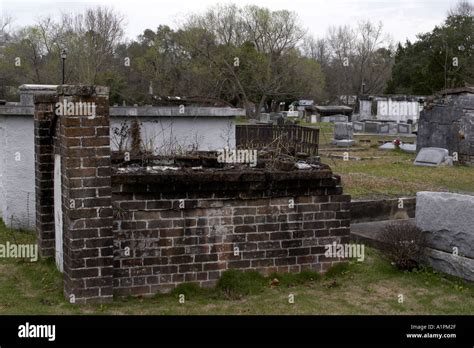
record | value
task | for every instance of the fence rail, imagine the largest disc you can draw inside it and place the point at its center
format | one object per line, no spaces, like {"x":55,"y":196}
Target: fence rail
{"x":293,"y":137}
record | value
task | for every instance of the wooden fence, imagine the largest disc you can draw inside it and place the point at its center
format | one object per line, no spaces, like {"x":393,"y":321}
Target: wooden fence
{"x":290,"y":137}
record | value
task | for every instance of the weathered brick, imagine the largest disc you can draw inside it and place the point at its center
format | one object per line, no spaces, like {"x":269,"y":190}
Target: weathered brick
{"x":181,"y":259}
{"x":276,"y":253}
{"x":263,"y":263}
{"x":253,"y":237}
{"x":206,"y":258}
{"x":339,"y":231}
{"x":245,"y":211}
{"x":303,"y":234}
{"x":269,"y":245}
{"x":195,"y":267}
{"x":299,"y":251}
{"x":253,"y":254}
{"x":268,"y":227}
{"x":239,"y":264}
{"x":285,"y":261}
{"x":245,"y":229}
{"x":280,"y":235}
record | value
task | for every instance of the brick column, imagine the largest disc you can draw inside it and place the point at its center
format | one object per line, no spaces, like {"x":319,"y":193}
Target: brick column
{"x":86,"y":188}
{"x":44,"y":165}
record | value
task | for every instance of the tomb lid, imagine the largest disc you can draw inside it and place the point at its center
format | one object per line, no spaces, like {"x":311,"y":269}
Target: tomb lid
{"x":431,"y":156}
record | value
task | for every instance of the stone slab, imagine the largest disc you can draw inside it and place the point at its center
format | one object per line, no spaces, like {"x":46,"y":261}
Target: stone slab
{"x":431,"y":156}
{"x":343,"y":131}
{"x":448,"y":263}
{"x":410,"y":148}
{"x":448,"y":219}
{"x":387,"y":146}
{"x":343,"y":142}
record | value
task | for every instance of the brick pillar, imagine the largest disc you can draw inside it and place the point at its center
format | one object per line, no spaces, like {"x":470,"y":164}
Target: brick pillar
{"x":84,"y":142}
{"x":44,"y":165}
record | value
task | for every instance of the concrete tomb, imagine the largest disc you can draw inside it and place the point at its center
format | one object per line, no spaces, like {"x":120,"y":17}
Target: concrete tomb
{"x":448,"y":122}
{"x":404,"y":128}
{"x":358,"y":127}
{"x":383,"y":128}
{"x":371,"y":127}
{"x":335,"y":118}
{"x":392,"y":128}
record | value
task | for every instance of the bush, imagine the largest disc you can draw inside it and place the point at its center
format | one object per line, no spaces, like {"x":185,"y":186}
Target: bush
{"x":189,"y":290}
{"x":403,"y":245}
{"x":235,"y":284}
{"x":339,"y":268}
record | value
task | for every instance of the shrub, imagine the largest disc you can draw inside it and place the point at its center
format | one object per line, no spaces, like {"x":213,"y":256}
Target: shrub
{"x":337,"y":269}
{"x":403,"y":244}
{"x":189,"y":290}
{"x":235,"y":284}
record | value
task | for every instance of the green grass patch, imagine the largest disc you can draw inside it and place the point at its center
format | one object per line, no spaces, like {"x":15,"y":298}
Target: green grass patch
{"x":190,"y":291}
{"x":339,"y":269}
{"x":234,"y":283}
{"x":368,"y":287}
{"x":386,"y":174}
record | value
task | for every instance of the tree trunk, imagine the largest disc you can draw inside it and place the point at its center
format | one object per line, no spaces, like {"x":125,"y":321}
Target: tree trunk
{"x":260,"y":105}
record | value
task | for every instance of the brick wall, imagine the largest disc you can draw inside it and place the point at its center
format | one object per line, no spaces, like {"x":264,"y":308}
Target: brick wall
{"x":87,"y":206}
{"x":139,"y":233}
{"x":174,"y":228}
{"x":44,"y":166}
{"x":83,"y":142}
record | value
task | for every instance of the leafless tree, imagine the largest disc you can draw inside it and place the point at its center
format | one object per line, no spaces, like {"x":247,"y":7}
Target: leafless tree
{"x":373,"y":69}
{"x":462,"y":8}
{"x":341,"y":41}
{"x":354,"y":60}
{"x":90,"y":39}
{"x":318,"y":49}
{"x":6,"y":21}
{"x":253,"y":48}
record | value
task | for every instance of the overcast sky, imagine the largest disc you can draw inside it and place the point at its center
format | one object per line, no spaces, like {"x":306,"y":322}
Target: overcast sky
{"x":402,"y":19}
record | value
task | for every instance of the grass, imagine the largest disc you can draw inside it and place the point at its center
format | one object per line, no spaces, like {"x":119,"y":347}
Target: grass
{"x":383,"y":174}
{"x":392,"y":173}
{"x":369,"y":287}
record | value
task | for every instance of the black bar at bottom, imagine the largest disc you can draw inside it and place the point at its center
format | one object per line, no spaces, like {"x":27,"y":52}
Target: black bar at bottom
{"x":136,"y":331}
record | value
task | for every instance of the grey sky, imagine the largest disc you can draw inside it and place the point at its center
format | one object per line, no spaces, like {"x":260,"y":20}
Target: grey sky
{"x":401,"y":18}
